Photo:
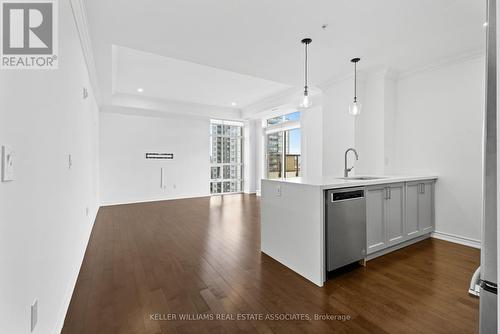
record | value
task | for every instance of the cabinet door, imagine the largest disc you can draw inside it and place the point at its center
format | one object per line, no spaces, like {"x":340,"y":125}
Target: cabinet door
{"x":395,"y":214}
{"x":425,"y":207}
{"x":412,"y":228}
{"x":375,"y":218}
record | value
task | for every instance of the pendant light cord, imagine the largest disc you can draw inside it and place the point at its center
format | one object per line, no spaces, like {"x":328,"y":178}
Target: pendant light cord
{"x":305,"y":87}
{"x":355,"y":79}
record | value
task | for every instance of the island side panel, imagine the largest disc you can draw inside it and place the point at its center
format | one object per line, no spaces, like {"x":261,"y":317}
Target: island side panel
{"x":292,"y":227}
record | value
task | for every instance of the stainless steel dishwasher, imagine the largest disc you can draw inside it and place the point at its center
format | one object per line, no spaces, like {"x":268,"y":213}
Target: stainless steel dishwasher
{"x":345,"y":226}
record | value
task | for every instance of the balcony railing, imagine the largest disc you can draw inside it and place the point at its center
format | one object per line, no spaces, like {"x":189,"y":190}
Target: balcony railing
{"x":292,"y":166}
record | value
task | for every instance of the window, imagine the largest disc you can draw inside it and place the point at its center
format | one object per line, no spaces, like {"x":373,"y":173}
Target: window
{"x":295,"y":116}
{"x":226,"y":157}
{"x":283,"y":152}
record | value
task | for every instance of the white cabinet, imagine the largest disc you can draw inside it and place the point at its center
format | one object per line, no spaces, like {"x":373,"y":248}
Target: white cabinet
{"x":395,"y":213}
{"x":412,"y":229}
{"x":384,"y":216}
{"x":398,"y":212}
{"x":419,"y":208}
{"x":375,"y":218}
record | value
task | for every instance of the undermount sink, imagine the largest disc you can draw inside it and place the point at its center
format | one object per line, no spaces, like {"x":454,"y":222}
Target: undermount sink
{"x":362,"y":178}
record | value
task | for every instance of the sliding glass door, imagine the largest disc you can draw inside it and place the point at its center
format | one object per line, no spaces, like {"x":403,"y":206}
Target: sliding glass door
{"x":283,"y":152}
{"x":292,"y":153}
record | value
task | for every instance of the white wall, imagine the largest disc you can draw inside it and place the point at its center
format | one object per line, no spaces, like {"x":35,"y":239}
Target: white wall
{"x":312,"y":142}
{"x":439,"y":123}
{"x":126,"y":176}
{"x":338,"y":126}
{"x":260,"y":149}
{"x":44,"y":228}
{"x":250,"y":149}
{"x":374,"y":127}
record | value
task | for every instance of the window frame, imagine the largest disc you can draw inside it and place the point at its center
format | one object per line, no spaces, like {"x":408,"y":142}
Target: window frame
{"x":283,"y":126}
{"x":222,"y":164}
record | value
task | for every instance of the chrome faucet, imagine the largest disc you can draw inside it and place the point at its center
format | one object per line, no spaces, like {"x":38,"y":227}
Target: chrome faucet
{"x":347,"y":170}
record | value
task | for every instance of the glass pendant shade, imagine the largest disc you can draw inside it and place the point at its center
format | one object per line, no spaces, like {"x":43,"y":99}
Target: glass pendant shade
{"x":355,"y":108}
{"x":306,"y":101}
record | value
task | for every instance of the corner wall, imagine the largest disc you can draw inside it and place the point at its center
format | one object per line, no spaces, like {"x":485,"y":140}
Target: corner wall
{"x":439,"y":130}
{"x":44,"y":224}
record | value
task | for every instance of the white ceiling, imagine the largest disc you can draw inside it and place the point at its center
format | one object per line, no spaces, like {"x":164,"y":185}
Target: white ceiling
{"x":173,"y":79}
{"x":262,"y":39}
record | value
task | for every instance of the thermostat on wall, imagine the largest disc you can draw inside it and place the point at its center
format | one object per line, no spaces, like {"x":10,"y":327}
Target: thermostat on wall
{"x":7,"y":163}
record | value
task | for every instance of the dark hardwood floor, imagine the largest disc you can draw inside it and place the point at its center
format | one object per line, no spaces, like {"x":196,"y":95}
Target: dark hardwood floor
{"x":200,"y":258}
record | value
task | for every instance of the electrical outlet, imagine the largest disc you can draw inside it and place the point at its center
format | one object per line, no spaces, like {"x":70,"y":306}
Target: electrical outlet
{"x":34,"y":314}
{"x":85,"y":93}
{"x":278,"y":191}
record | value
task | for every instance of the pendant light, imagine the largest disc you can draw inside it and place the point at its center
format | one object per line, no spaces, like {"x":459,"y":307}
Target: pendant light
{"x":355,"y":106}
{"x":306,"y":102}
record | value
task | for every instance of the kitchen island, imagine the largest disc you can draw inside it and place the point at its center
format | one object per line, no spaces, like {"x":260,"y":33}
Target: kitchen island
{"x":399,"y":211}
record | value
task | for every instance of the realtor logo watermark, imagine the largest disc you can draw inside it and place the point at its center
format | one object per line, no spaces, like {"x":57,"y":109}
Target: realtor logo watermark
{"x":29,"y":36}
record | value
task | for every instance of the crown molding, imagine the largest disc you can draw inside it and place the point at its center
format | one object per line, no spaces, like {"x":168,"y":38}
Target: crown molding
{"x":155,"y":113}
{"x":269,"y":102}
{"x":286,"y":100}
{"x":334,"y":80}
{"x":443,"y":62}
{"x":172,"y":107}
{"x":392,"y":74}
{"x":381,"y":74}
{"x":81,"y":22}
{"x":340,"y":78}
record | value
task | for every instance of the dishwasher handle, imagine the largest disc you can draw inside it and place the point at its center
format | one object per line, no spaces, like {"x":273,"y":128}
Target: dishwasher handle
{"x":347,"y":195}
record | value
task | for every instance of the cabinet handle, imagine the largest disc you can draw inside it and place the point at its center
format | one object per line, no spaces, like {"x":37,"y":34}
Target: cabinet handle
{"x":387,"y":193}
{"x":422,"y":188}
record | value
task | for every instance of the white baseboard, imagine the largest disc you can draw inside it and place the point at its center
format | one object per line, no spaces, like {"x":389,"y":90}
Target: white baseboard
{"x":456,"y":239}
{"x":70,"y":288}
{"x":111,"y":203}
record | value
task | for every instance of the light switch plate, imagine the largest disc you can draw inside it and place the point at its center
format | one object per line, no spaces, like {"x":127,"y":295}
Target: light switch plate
{"x":7,"y":163}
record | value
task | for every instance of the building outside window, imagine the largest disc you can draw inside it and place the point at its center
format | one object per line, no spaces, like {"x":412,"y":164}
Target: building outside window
{"x":226,"y":157}
{"x":283,"y":151}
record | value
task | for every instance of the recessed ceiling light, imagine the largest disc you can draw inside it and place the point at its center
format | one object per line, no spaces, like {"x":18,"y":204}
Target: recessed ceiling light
{"x":140,"y":90}
{"x":485,"y":24}
{"x":233,"y":104}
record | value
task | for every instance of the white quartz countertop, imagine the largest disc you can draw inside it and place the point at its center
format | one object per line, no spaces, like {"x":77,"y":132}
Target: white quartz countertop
{"x":332,"y":182}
